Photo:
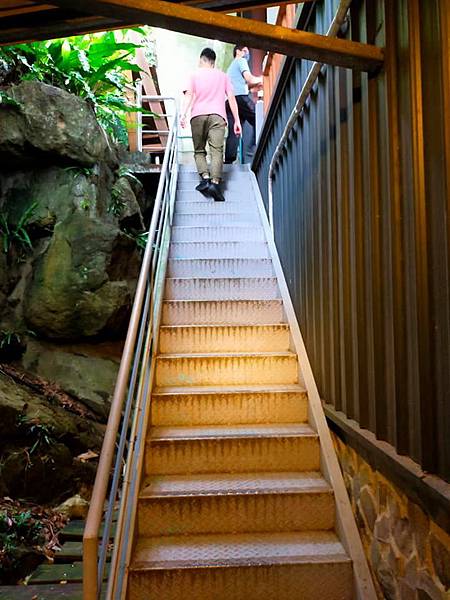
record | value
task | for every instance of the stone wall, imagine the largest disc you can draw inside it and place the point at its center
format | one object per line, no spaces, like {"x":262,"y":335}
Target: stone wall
{"x":408,"y":553}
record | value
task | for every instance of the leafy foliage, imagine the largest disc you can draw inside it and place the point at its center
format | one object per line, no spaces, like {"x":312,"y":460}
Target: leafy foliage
{"x":94,"y":67}
{"x":6,"y":100}
{"x":28,"y":535}
{"x":17,"y":232}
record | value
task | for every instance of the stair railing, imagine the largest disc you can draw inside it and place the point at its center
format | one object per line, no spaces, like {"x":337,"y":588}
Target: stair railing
{"x":122,"y":451}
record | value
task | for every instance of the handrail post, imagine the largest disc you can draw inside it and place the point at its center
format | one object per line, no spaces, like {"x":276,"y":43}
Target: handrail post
{"x":90,"y":554}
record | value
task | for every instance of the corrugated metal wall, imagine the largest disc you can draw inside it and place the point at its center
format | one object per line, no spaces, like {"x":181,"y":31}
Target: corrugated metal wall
{"x":362,"y":224}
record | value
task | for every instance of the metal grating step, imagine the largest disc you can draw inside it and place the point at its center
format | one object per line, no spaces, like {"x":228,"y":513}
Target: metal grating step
{"x":233,"y":405}
{"x":227,"y":233}
{"x":222,"y":288}
{"x":237,"y":449}
{"x":224,"y":503}
{"x":222,"y":312}
{"x":226,"y":369}
{"x":220,"y":267}
{"x":226,"y":250}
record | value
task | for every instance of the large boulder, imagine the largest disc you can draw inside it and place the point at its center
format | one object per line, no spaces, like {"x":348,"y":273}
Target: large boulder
{"x":82,"y":285}
{"x":39,"y":443}
{"x":88,"y":378}
{"x":49,"y":124}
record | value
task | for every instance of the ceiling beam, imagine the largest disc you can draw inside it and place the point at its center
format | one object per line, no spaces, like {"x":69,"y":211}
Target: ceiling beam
{"x":204,"y":23}
{"x":50,"y":24}
{"x":230,"y":6}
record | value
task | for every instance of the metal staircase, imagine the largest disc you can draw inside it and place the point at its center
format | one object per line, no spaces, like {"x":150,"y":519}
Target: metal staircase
{"x":231,"y":489}
{"x":232,"y":502}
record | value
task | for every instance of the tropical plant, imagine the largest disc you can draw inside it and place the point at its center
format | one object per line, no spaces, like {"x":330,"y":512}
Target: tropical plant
{"x":95,"y":67}
{"x":17,"y":232}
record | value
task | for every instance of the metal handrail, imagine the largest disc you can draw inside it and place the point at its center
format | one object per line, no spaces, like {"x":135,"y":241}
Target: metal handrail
{"x":131,"y":398}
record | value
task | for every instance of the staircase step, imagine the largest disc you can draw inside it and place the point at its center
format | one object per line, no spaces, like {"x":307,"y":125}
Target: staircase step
{"x":221,"y":312}
{"x":228,"y":233}
{"x":239,"y":503}
{"x":226,"y":369}
{"x":273,"y":566}
{"x":221,"y":288}
{"x":219,"y":250}
{"x":233,"y":190}
{"x":223,"y":338}
{"x":192,"y":179}
{"x":220,"y":267}
{"x":189,"y":204}
{"x":214,"y":220}
{"x":233,"y":405}
{"x":236,"y":449}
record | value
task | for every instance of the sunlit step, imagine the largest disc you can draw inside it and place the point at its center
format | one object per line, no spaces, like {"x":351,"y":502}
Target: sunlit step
{"x":206,"y":250}
{"x":222,"y":312}
{"x":226,"y":369}
{"x":230,"y":405}
{"x":257,"y":566}
{"x":220,"y":267}
{"x":227,"y":233}
{"x":235,"y":203}
{"x":222,"y":288}
{"x":236,"y":449}
{"x":209,"y":219}
{"x":223,"y":338}
{"x":237,"y":503}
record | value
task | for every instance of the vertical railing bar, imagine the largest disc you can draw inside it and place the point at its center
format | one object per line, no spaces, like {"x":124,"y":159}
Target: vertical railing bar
{"x":121,"y":446}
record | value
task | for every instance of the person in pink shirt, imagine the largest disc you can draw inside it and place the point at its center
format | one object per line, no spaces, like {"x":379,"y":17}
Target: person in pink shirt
{"x":204,"y":96}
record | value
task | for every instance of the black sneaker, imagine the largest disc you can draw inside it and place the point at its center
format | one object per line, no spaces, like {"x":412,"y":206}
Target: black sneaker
{"x":214,"y":192}
{"x":203,"y":186}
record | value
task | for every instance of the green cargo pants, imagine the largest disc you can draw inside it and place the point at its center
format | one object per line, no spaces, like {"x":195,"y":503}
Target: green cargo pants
{"x":209,"y":129}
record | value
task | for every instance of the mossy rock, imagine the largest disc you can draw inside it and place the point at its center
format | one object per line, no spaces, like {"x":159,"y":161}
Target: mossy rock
{"x":82,"y":286}
{"x":50,"y":125}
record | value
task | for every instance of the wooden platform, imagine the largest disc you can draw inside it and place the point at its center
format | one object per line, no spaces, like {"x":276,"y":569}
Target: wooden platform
{"x":61,"y":579}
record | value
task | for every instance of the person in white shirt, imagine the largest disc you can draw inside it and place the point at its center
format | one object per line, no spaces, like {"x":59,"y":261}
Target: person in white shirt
{"x":242,"y":80}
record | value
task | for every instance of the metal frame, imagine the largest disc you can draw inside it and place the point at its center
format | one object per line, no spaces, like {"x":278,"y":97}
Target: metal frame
{"x":131,"y":400}
{"x":333,"y":30}
{"x":363,"y":586}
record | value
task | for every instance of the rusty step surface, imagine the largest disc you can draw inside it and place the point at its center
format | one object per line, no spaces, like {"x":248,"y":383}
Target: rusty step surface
{"x":223,"y":338}
{"x":238,"y":503}
{"x":222,"y":312}
{"x":236,"y":449}
{"x":230,"y":405}
{"x":273,"y":566}
{"x":226,"y":368}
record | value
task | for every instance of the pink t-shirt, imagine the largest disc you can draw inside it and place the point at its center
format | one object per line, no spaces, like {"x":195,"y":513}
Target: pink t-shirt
{"x":210,"y":88}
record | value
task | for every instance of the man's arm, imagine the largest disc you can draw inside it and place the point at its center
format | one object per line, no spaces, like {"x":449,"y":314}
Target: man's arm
{"x":186,"y":105}
{"x":234,"y":110}
{"x":251,"y":80}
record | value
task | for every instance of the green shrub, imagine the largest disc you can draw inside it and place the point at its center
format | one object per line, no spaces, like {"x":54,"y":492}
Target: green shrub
{"x":93,"y":66}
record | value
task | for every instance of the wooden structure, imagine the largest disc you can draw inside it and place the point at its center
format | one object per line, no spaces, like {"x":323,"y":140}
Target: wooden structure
{"x":21,"y":21}
{"x":273,"y":62}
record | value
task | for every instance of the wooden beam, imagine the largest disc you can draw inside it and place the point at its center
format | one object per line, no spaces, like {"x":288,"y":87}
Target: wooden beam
{"x":204,"y":23}
{"x":229,"y":6}
{"x":48,"y":25}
